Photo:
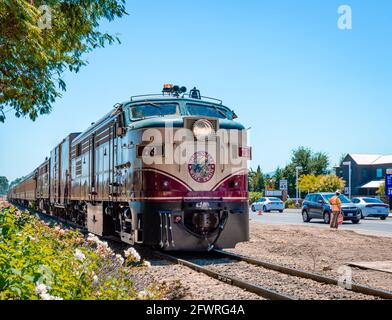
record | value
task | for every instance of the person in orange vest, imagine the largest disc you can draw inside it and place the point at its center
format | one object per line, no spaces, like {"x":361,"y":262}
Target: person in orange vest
{"x":336,"y":204}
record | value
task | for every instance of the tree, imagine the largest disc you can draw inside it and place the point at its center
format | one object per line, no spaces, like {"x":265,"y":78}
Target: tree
{"x":3,"y":185}
{"x":330,"y":183}
{"x":381,"y":189}
{"x":302,"y":157}
{"x":278,"y":176}
{"x":308,"y":183}
{"x":37,"y":46}
{"x":321,"y":183}
{"x":311,"y":163}
{"x":256,"y":180}
{"x":319,"y":163}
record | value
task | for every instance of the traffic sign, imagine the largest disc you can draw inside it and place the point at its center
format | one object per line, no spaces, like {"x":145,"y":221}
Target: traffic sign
{"x":283,"y":185}
{"x":273,"y":193}
{"x":388,"y":183}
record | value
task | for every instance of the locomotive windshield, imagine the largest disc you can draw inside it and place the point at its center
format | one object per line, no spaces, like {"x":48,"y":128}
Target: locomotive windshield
{"x":152,"y":110}
{"x":208,"y":111}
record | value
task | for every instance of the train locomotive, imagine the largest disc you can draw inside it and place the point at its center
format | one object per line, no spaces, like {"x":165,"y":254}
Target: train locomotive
{"x":165,"y":170}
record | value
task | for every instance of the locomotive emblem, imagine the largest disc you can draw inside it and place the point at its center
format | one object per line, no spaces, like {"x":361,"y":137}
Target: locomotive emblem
{"x":201,"y":167}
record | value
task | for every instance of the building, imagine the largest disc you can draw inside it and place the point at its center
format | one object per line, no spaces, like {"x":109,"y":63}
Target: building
{"x":368,"y":172}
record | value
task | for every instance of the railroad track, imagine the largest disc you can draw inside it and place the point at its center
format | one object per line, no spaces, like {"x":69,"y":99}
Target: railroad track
{"x":301,"y":280}
{"x":307,"y":275}
{"x":190,"y":260}
{"x":259,"y":290}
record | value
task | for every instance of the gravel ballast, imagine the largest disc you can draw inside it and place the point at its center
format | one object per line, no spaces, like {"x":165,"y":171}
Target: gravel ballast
{"x":319,"y":250}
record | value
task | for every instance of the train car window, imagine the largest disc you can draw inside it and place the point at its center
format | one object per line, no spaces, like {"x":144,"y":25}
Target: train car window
{"x":78,"y":149}
{"x":152,"y":110}
{"x":208,"y":111}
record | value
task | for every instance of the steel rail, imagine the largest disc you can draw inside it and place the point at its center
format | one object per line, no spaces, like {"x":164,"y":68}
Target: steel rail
{"x":264,"y":292}
{"x":261,"y":291}
{"x":307,"y":275}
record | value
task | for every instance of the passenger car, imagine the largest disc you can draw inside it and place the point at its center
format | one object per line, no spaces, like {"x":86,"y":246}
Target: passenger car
{"x":317,"y":206}
{"x":268,"y":204}
{"x":371,"y":207}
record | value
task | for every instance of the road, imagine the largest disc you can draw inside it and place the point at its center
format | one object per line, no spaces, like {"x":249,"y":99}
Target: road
{"x":293,"y":216}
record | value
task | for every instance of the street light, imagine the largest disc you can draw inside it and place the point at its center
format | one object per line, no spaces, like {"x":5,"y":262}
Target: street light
{"x":296,"y":179}
{"x":348,"y":163}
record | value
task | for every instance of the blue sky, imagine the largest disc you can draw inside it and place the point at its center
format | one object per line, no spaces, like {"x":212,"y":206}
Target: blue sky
{"x":283,"y":66}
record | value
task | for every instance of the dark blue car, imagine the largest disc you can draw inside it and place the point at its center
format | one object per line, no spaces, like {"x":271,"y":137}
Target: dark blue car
{"x":317,"y":206}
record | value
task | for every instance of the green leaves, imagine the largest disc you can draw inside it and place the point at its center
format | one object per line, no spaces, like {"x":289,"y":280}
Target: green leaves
{"x":38,"y":261}
{"x":320,"y":183}
{"x":33,"y":59}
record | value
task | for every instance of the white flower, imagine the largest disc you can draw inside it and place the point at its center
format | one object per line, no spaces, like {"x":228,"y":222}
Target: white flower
{"x":40,"y":289}
{"x":131,"y":252}
{"x":47,"y":296}
{"x":95,"y":279}
{"x":145,"y":294}
{"x":120,"y":259}
{"x":147,"y":264}
{"x":79,"y":255}
{"x":93,"y":238}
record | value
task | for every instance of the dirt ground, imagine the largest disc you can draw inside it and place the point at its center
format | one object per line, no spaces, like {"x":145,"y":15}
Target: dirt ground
{"x":315,"y":249}
{"x":320,"y":250}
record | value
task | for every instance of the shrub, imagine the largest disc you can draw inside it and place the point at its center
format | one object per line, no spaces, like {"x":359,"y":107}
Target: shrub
{"x":321,"y":183}
{"x":290,"y":204}
{"x":381,"y":189}
{"x":254,"y":196}
{"x":38,"y":261}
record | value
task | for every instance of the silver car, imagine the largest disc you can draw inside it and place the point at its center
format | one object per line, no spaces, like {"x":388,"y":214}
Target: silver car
{"x":268,"y":204}
{"x":371,"y":207}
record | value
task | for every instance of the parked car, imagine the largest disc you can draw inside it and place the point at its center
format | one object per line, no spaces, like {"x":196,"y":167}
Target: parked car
{"x":268,"y":204}
{"x":371,"y":207}
{"x":317,"y":206}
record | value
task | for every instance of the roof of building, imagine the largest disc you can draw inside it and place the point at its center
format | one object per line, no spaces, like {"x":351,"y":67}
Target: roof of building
{"x":383,"y":160}
{"x":369,"y":159}
{"x":372,"y":184}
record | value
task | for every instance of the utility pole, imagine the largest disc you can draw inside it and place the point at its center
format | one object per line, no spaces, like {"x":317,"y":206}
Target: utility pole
{"x":296,"y":179}
{"x":348,"y":163}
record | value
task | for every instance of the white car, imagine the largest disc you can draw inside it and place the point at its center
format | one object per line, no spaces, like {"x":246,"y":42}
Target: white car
{"x":268,"y":204}
{"x":371,"y":207}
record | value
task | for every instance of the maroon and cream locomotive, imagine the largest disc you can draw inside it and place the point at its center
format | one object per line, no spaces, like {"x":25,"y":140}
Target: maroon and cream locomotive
{"x":166,"y":170}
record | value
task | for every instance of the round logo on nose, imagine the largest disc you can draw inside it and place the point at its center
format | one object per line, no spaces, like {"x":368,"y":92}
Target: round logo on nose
{"x":201,"y":167}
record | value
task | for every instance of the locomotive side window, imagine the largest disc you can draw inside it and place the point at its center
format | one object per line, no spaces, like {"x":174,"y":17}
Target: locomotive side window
{"x":208,"y":111}
{"x":152,"y":110}
{"x":78,"y":149}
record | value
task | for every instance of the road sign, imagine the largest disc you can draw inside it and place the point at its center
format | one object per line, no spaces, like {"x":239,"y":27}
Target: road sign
{"x":388,"y":183}
{"x":346,"y":190}
{"x":273,"y":193}
{"x":283,"y":184}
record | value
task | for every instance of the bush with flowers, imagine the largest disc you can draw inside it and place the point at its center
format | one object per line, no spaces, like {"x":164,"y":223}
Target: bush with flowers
{"x":38,"y":261}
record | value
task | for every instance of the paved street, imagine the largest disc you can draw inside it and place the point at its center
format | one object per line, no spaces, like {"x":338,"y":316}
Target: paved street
{"x":293,"y":216}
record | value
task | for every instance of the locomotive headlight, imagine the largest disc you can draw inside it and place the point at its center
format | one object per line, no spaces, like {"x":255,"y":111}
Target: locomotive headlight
{"x":202,"y":129}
